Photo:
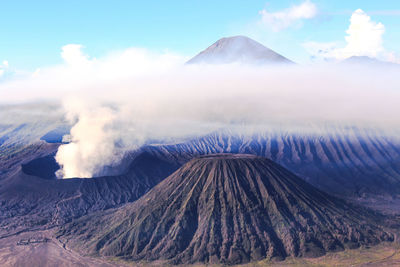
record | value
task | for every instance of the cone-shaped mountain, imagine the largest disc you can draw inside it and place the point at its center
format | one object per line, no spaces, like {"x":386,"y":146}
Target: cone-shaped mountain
{"x":228,"y":209}
{"x":238,"y":49}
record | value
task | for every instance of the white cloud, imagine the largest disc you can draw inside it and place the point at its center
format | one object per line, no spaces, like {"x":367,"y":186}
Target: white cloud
{"x":128,"y":98}
{"x":73,"y":55}
{"x":364,"y":38}
{"x":3,"y":67}
{"x":285,"y":18}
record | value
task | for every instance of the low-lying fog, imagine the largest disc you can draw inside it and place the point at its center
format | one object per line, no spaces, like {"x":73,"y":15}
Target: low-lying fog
{"x":125,"y":99}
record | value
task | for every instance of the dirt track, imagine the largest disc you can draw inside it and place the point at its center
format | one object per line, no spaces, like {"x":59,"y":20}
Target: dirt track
{"x":43,"y":254}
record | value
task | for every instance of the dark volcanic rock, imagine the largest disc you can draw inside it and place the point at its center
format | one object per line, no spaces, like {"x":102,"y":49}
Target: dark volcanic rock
{"x":226,"y":209}
{"x":346,"y":162}
{"x":28,"y":202}
{"x":44,"y":167}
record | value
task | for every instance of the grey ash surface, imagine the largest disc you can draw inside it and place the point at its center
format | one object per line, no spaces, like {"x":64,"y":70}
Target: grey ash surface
{"x":226,"y":209}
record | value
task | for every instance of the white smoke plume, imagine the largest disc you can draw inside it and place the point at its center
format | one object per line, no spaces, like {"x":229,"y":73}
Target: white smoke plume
{"x":91,"y":143}
{"x":133,"y":97}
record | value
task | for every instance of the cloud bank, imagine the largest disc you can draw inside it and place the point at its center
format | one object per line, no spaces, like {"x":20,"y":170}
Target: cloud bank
{"x":133,"y":97}
{"x":283,"y":19}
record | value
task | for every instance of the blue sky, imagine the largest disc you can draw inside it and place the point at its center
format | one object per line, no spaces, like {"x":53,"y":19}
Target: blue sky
{"x":33,"y":32}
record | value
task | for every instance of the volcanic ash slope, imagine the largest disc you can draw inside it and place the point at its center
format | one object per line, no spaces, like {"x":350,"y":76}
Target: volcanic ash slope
{"x":227,"y":209}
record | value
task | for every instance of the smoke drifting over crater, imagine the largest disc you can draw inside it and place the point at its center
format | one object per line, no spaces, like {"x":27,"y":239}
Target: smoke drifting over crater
{"x":127,"y":99}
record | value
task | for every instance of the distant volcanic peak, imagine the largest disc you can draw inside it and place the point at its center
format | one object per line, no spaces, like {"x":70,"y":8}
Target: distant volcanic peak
{"x":238,"y":49}
{"x":361,"y":59}
{"x":227,"y":209}
{"x":368,"y":61}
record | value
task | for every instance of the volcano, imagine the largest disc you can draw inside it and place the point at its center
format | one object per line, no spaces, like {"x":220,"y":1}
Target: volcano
{"x":230,"y":209}
{"x":238,"y":49}
{"x":368,"y":62}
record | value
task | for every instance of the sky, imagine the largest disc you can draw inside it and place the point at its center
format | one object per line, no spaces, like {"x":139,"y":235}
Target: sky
{"x":32,"y":33}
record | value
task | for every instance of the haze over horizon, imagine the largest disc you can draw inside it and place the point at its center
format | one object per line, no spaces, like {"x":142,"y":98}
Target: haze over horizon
{"x":122,"y":98}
